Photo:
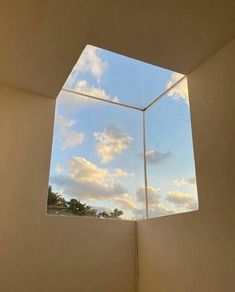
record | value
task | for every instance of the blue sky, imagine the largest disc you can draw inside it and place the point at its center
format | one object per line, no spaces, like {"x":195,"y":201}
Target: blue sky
{"x":98,"y":147}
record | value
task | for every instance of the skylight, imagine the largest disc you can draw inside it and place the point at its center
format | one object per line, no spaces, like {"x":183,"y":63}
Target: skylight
{"x":122,"y":143}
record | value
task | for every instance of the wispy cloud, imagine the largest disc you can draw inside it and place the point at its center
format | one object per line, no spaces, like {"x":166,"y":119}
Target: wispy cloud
{"x":59,"y":169}
{"x":92,"y":63}
{"x":118,"y":172}
{"x":183,"y":200}
{"x":155,"y":156}
{"x":69,"y":138}
{"x":182,"y":181}
{"x":111,"y":142}
{"x":85,"y":180}
{"x":125,"y":201}
{"x":83,"y":87}
{"x":180,"y":91}
{"x":69,"y":102}
{"x":89,"y":62}
{"x":84,"y":170}
{"x":155,"y":205}
{"x":63,"y":122}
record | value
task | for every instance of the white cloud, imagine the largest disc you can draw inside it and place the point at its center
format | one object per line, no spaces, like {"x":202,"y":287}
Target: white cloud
{"x":153,"y":194}
{"x":89,"y":62}
{"x":85,"y":180}
{"x":59,"y":169}
{"x":180,"y":91}
{"x":125,"y":201}
{"x":155,"y":206}
{"x":111,"y":142}
{"x":183,"y":200}
{"x":182,"y":182}
{"x":83,"y":87}
{"x":155,"y":157}
{"x":69,"y":102}
{"x":63,"y":122}
{"x":179,"y":182}
{"x":118,"y":172}
{"x":69,"y":138}
{"x":82,"y":169}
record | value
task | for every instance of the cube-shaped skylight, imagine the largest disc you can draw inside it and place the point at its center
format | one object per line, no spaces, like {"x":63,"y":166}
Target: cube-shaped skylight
{"x":122,"y":143}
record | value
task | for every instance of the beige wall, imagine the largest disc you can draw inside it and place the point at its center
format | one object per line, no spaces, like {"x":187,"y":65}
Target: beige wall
{"x":195,"y":251}
{"x":185,"y":252}
{"x":49,"y":253}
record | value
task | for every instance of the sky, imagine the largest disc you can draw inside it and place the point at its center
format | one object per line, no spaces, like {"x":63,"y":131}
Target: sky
{"x":97,"y":153}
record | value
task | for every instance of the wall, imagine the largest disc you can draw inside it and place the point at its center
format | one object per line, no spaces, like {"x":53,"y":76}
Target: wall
{"x":195,"y":251}
{"x":49,"y":253}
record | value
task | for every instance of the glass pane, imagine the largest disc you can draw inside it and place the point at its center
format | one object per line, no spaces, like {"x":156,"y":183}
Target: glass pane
{"x":96,"y":159}
{"x":170,"y":160}
{"x":108,"y":75}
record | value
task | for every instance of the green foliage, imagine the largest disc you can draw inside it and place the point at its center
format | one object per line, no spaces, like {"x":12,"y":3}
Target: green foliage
{"x":115,"y":214}
{"x":53,"y":198}
{"x":56,"y":204}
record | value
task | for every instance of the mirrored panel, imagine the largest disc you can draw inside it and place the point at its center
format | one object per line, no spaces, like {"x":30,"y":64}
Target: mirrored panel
{"x":96,"y":166}
{"x":169,"y":153}
{"x":108,"y":75}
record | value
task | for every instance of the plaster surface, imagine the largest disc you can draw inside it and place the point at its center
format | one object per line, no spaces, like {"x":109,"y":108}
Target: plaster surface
{"x":195,"y":251}
{"x":50,"y":253}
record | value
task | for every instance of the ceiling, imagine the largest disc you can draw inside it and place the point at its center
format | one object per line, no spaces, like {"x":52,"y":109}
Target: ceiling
{"x":40,"y":41}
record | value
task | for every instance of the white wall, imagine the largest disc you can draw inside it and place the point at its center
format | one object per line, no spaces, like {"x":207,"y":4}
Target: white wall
{"x":195,"y":251}
{"x":49,"y":253}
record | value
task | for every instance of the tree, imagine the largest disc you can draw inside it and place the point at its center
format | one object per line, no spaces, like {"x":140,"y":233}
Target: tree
{"x":78,"y":208}
{"x":58,"y":205}
{"x":115,"y":214}
{"x":53,"y":198}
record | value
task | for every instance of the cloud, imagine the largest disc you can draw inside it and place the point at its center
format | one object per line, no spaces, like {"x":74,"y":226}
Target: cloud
{"x":183,"y":181}
{"x":71,"y":139}
{"x":118,"y":172}
{"x":111,"y":142}
{"x":180,"y":91}
{"x":153,"y":194}
{"x":69,"y":102}
{"x":83,"y":87}
{"x":63,"y":122}
{"x":88,"y":190}
{"x":85,"y":180}
{"x":179,"y":182}
{"x":155,"y":206}
{"x":125,"y":201}
{"x":155,"y":157}
{"x":192,"y":180}
{"x":89,"y":62}
{"x":68,"y":138}
{"x":82,"y":169}
{"x":59,"y":169}
{"x":182,"y":200}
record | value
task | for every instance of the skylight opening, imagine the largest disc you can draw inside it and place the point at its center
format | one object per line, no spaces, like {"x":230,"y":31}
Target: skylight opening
{"x":122,"y":144}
